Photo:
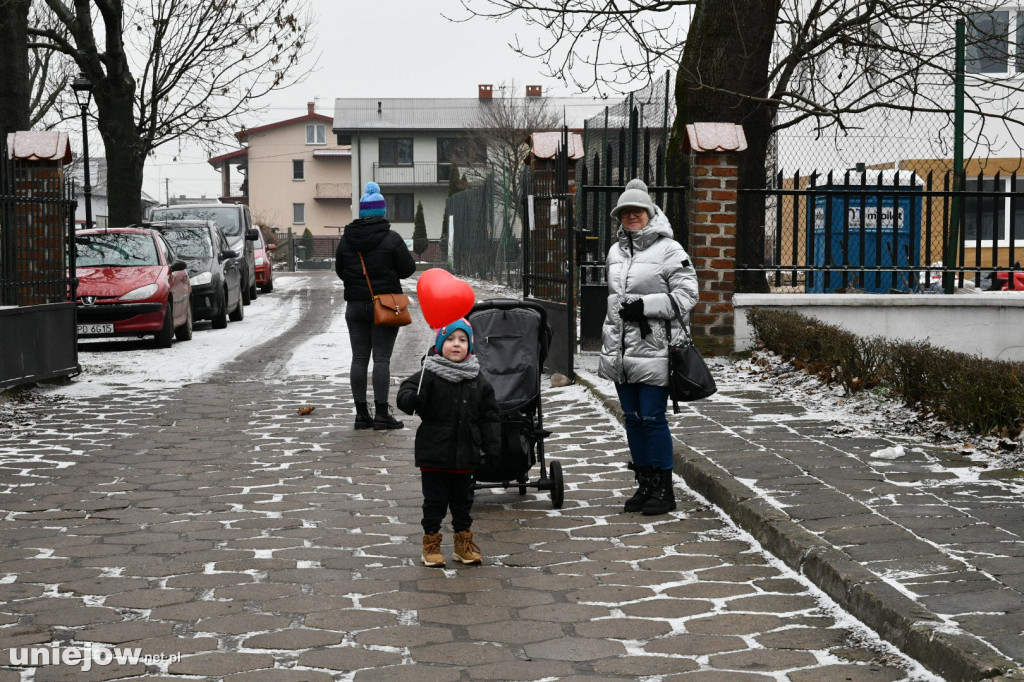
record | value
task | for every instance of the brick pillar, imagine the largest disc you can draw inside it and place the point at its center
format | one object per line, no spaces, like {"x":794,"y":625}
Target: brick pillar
{"x":37,"y":271}
{"x":714,"y":149}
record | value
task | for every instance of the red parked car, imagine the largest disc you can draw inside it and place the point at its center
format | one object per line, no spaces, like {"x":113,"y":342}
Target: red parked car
{"x":131,"y":284}
{"x":264,"y":266}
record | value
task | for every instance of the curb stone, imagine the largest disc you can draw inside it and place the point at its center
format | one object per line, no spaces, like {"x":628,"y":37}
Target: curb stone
{"x":896,"y":618}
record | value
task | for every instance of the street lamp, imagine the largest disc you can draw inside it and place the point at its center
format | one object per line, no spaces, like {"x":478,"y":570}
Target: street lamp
{"x":83,"y":94}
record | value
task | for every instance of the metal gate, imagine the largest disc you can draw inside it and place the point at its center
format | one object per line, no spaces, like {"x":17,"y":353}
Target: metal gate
{"x":549,"y":239}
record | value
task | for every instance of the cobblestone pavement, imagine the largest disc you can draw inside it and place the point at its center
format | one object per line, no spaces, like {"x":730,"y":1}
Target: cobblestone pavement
{"x":227,"y":537}
{"x":918,"y":535}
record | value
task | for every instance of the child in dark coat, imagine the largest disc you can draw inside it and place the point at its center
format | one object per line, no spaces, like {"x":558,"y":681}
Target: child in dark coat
{"x":459,"y":427}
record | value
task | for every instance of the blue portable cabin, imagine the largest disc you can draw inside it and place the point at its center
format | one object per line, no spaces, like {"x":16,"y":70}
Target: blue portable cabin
{"x":867,"y":225}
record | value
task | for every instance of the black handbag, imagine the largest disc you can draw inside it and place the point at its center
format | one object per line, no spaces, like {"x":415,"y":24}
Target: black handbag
{"x":688,"y":376}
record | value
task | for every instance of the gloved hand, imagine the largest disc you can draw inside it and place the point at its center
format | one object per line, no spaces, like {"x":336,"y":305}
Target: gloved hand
{"x":633,"y":311}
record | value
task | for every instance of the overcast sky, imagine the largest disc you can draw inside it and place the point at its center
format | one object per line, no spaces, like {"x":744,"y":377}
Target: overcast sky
{"x":386,"y":48}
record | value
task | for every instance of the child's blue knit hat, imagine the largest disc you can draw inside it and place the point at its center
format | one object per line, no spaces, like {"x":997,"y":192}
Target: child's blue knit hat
{"x":371,"y":204}
{"x":446,"y":331}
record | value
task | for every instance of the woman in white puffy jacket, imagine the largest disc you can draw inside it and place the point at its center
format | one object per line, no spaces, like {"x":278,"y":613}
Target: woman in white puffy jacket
{"x":648,"y":271}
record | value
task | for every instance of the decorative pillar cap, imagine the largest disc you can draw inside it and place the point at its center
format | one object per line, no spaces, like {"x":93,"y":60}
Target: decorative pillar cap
{"x":39,"y":145}
{"x":715,"y":137}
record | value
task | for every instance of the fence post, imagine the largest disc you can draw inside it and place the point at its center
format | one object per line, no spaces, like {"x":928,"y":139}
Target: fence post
{"x":291,"y":251}
{"x":714,"y":149}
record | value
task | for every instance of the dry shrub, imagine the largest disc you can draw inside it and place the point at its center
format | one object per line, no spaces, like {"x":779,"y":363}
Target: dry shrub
{"x":985,"y":396}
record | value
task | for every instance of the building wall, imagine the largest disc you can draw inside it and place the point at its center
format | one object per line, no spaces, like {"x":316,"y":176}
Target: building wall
{"x":365,"y":153}
{"x":272,"y":190}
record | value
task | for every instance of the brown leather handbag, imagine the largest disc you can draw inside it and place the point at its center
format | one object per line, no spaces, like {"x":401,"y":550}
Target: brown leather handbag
{"x":389,"y":310}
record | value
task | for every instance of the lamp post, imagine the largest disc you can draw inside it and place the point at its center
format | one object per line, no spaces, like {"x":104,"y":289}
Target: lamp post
{"x":83,"y":94}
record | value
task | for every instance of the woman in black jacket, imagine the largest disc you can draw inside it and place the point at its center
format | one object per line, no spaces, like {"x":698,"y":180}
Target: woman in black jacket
{"x":387,"y":261}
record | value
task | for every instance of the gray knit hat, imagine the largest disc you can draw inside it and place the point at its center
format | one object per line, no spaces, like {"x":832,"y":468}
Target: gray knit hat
{"x":635,"y":195}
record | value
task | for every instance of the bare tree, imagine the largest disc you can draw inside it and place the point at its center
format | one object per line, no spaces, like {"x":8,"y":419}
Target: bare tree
{"x":505,"y":123}
{"x":771,"y":64}
{"x":167,"y":70}
{"x":14,"y":86}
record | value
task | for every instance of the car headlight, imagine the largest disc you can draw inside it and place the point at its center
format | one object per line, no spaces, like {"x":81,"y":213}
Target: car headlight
{"x":201,"y":278}
{"x":140,"y":293}
{"x":259,"y":260}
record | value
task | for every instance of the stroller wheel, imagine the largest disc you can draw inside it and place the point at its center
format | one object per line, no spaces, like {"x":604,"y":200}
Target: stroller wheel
{"x":522,"y":484}
{"x":557,"y":486}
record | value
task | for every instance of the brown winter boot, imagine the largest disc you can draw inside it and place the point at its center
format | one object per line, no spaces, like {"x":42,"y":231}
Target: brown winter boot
{"x":432,"y":556}
{"x":466,"y":550}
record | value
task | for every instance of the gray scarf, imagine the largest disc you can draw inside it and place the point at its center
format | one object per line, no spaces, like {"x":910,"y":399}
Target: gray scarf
{"x":452,"y":371}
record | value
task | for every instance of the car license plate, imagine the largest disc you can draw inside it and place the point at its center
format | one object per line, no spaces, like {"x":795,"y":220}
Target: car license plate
{"x":86,"y":329}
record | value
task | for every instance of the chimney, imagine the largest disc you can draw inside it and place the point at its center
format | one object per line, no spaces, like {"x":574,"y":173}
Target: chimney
{"x":533,"y":91}
{"x":311,"y":108}
{"x":485,"y":91}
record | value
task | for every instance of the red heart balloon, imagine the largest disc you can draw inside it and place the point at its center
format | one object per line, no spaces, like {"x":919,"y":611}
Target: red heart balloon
{"x":443,"y":297}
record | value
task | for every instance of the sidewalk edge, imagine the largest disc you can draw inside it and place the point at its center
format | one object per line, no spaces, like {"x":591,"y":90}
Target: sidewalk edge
{"x":895,"y":617}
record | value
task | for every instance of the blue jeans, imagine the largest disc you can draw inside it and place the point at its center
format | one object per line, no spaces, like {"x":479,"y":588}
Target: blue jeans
{"x":368,"y":339}
{"x":650,"y":442}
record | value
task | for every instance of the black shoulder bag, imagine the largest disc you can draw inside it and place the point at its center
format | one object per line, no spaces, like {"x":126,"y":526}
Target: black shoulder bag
{"x":688,"y":377}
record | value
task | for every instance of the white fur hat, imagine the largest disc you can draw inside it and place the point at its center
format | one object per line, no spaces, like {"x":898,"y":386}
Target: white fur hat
{"x":635,"y":195}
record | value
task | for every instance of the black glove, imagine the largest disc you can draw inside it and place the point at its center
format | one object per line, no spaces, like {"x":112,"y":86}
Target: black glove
{"x":633,"y":311}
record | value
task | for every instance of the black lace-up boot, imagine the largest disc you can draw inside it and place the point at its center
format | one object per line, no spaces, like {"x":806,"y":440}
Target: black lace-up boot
{"x":663,"y":494}
{"x":382,"y":418}
{"x":643,"y":491}
{"x":364,"y":419}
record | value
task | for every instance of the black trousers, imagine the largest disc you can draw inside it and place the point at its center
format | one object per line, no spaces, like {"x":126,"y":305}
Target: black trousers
{"x":444,"y":490}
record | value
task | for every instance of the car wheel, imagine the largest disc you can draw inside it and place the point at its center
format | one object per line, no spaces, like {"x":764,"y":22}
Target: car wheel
{"x":238,"y":313}
{"x":166,"y":334}
{"x":220,"y":318}
{"x":246,"y":298}
{"x":184,"y":332}
{"x":253,"y":291}
{"x":269,"y":286}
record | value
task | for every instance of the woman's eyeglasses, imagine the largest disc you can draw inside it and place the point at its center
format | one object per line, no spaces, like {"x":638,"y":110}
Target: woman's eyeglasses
{"x":632,"y":212}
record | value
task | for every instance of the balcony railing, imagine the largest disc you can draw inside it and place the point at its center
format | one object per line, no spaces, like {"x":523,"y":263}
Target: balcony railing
{"x":412,"y":174}
{"x":333,"y":190}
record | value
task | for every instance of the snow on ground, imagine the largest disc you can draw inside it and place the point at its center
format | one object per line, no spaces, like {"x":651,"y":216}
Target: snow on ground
{"x":115,"y":364}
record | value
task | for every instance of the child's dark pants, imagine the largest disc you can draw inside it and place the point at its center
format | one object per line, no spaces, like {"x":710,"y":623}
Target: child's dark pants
{"x":444,"y":490}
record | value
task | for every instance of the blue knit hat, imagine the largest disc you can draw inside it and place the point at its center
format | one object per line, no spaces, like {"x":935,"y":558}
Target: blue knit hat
{"x":446,"y":331}
{"x":371,"y":204}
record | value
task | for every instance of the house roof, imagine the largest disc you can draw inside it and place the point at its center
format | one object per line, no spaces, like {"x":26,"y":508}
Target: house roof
{"x":237,"y":154}
{"x":383,"y":113}
{"x":243,"y":134}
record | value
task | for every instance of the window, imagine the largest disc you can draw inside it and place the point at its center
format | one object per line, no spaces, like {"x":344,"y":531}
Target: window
{"x":316,"y":133}
{"x":988,"y":218}
{"x":395,"y":151}
{"x":298,"y":169}
{"x":298,"y":213}
{"x":400,"y":208}
{"x":989,"y":45}
{"x":460,"y":151}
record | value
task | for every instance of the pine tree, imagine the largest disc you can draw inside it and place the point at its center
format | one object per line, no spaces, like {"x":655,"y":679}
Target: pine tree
{"x":419,"y":231}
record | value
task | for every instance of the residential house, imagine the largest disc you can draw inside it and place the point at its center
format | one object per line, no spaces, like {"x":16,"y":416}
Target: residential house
{"x":296,"y":176}
{"x":98,"y":193}
{"x":408,"y":146}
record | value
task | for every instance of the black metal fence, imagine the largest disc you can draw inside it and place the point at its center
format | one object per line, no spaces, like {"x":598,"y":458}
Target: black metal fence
{"x":485,"y":239}
{"x":37,"y":215}
{"x":885,"y":231}
{"x":37,"y":272}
